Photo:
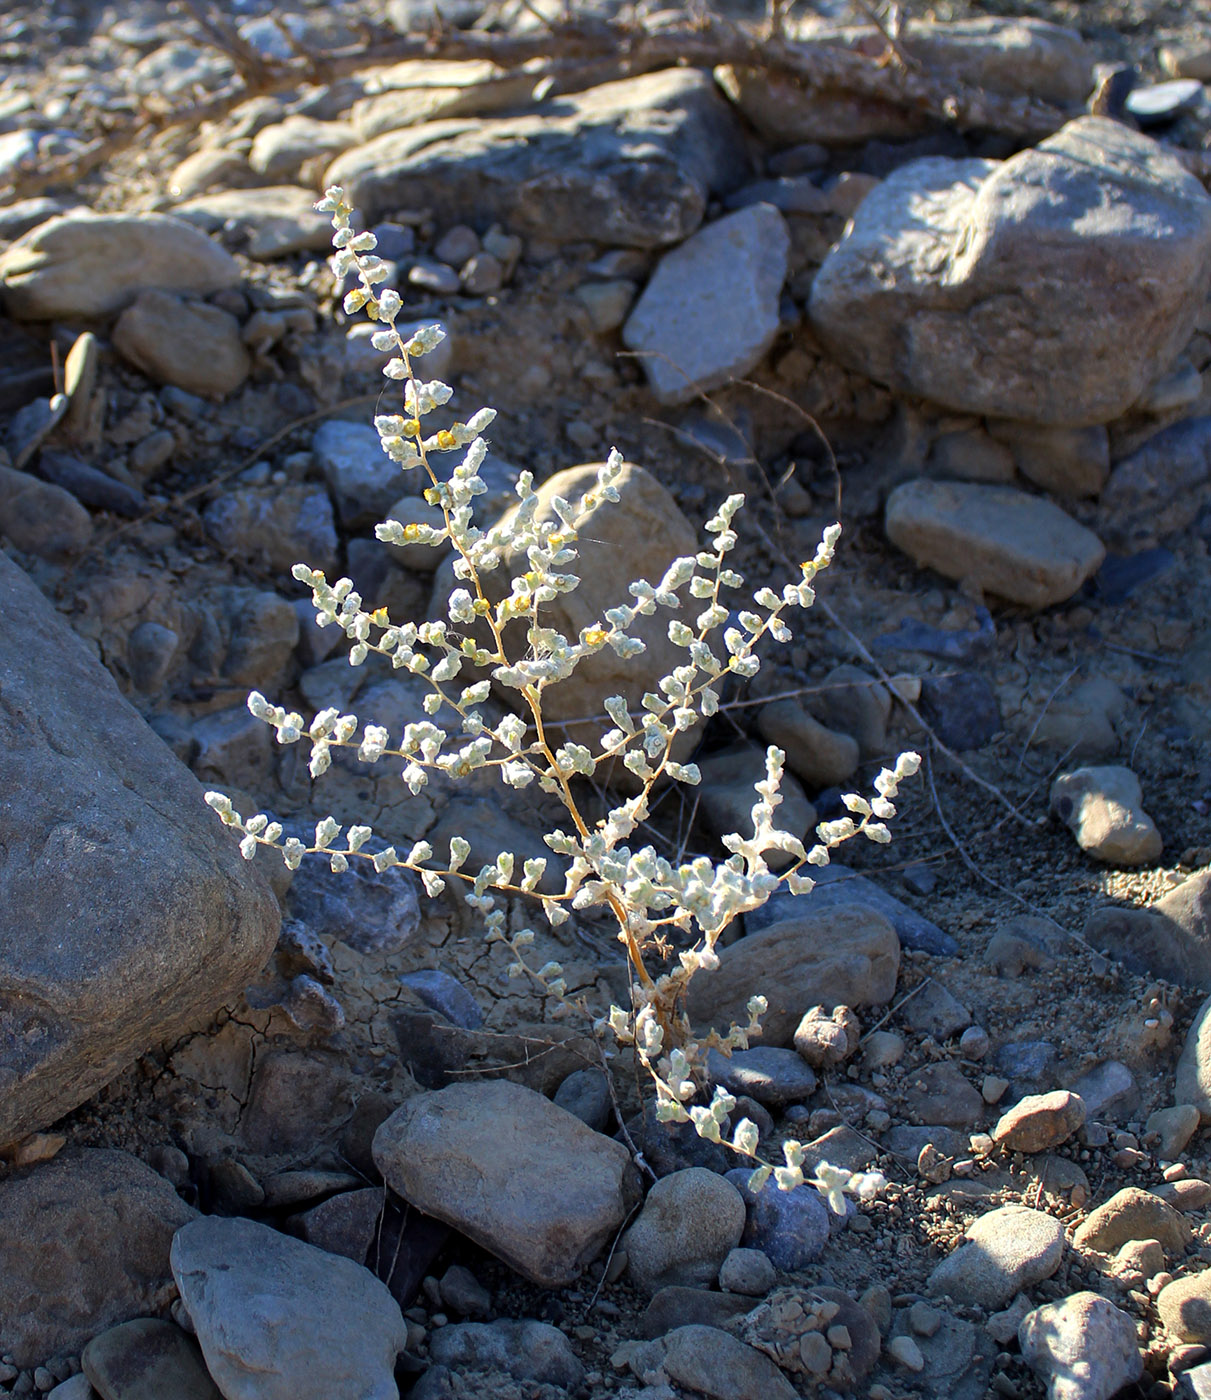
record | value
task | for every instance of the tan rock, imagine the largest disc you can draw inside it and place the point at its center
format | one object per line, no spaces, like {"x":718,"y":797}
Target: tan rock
{"x":84,"y":265}
{"x":1040,"y":1122}
{"x":192,"y":345}
{"x":1103,"y":808}
{"x":637,"y":538}
{"x":1185,"y":1307}
{"x":1016,"y":546}
{"x":1132,"y":1214}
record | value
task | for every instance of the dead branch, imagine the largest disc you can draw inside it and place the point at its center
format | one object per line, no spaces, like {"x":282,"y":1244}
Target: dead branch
{"x":819,"y":65}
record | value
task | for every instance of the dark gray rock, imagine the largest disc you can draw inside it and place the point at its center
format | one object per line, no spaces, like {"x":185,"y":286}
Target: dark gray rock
{"x":791,"y":1227}
{"x":839,"y":887}
{"x":586,"y":1094}
{"x":677,"y":1306}
{"x":524,"y":1349}
{"x":371,"y":913}
{"x":773,"y":1076}
{"x":629,"y":163}
{"x":447,"y":996}
{"x":1160,"y":487}
{"x":962,"y":707}
{"x":89,"y":486}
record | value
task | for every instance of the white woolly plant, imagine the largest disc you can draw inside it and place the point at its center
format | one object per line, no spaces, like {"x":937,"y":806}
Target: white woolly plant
{"x":651,"y":898}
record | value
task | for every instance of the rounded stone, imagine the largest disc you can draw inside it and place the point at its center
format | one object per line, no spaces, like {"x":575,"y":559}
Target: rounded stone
{"x":689,"y":1224}
{"x":1007,"y":1250}
{"x":1040,"y":1122}
{"x":790,"y":1227}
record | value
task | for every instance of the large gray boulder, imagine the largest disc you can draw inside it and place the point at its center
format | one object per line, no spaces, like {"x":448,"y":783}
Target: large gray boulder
{"x":629,"y":163}
{"x":1053,"y":287}
{"x":125,"y":910}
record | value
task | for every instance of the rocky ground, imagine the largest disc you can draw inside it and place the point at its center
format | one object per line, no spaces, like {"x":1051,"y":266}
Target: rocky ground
{"x":306,"y":1137}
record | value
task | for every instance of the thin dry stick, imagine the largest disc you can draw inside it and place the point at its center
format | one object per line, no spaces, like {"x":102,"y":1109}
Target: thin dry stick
{"x":1042,"y":713}
{"x":614,"y":1243}
{"x":891,"y":1010}
{"x":183,"y":498}
{"x":1135,"y":746}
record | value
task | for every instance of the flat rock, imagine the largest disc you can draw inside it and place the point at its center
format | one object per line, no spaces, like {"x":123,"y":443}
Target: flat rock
{"x":629,"y":164}
{"x":941,"y":1095}
{"x":427,"y":90}
{"x":721,"y":1366}
{"x":1103,"y":808}
{"x":272,"y":222}
{"x":1011,"y":289}
{"x":1132,"y":1214}
{"x":710,"y":310}
{"x":1040,"y":1122}
{"x":956,"y":1360}
{"x":145,"y":1360}
{"x":1169,"y":939}
{"x":839,"y":887}
{"x":506,"y":1167}
{"x":1006,"y":1250}
{"x":84,"y":1241}
{"x":84,"y":265}
{"x":1108,"y":1090}
{"x":678,"y":1306}
{"x":841,"y":957}
{"x":690,"y":1222}
{"x":191,"y":344}
{"x":280,"y":151}
{"x":156,"y":920}
{"x":1016,"y":546}
{"x":1083,"y":1347}
{"x":524,"y":1349}
{"x":1019,"y":56}
{"x":773,"y":1076}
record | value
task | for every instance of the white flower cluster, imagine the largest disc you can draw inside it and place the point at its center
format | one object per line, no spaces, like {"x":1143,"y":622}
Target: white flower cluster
{"x":657,"y":903}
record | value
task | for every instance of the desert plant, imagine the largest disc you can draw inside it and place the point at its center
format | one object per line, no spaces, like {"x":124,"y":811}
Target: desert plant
{"x":669,"y":916}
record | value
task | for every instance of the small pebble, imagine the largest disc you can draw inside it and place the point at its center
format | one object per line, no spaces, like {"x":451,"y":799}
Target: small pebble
{"x":907,"y":1353}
